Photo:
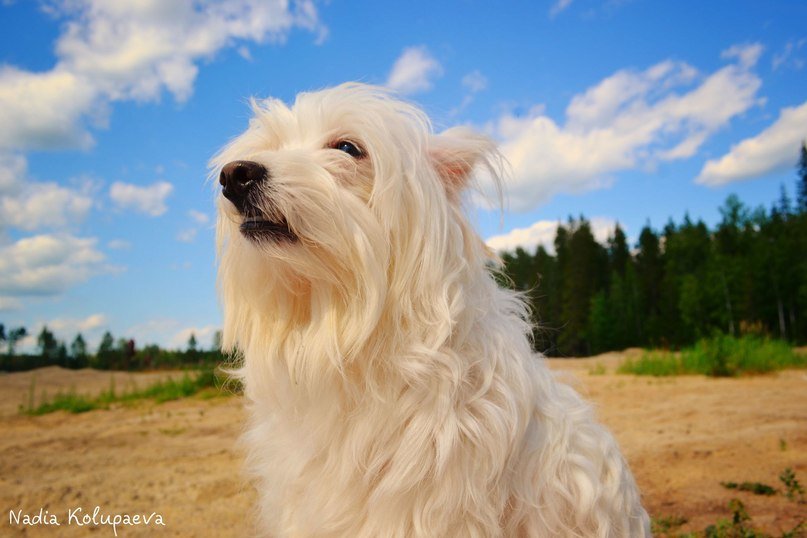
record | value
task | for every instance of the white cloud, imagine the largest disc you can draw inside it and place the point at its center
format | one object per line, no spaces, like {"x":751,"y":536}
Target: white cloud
{"x":204,"y":337}
{"x":627,"y":121}
{"x":776,"y":148}
{"x":559,"y":6}
{"x":747,"y":54}
{"x":71,"y":326}
{"x":129,"y":50}
{"x":789,"y":56}
{"x":119,"y":244}
{"x":187,"y":235}
{"x":543,"y":233}
{"x":43,"y":205}
{"x":13,"y":168}
{"x":28,"y":205}
{"x":475,"y":81}
{"x":49,"y":264}
{"x":149,"y":200}
{"x":198,"y":216}
{"x":413,"y":71}
{"x":43,"y":110}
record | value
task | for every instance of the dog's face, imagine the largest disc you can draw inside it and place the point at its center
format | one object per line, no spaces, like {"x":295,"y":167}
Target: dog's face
{"x":344,"y":198}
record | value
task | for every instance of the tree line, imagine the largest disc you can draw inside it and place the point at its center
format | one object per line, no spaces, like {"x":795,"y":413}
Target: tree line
{"x":686,"y":281}
{"x":111,"y":354}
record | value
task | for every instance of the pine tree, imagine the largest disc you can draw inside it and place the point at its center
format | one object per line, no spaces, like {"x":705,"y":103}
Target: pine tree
{"x":618,"y":252}
{"x":105,"y":357}
{"x":802,"y":182}
{"x":584,"y":273}
{"x":784,"y":205}
{"x":650,"y":275}
{"x":78,"y":351}
{"x":48,"y":346}
{"x":14,"y":336}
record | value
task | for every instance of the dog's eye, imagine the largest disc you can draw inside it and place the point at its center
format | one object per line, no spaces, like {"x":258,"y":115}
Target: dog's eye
{"x":348,"y":147}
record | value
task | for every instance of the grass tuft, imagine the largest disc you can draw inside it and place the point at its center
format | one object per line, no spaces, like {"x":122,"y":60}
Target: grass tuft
{"x":793,"y":489}
{"x":757,"y":488}
{"x":666,"y":525}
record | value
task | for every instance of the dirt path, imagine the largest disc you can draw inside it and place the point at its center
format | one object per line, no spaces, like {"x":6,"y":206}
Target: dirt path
{"x":682,"y":437}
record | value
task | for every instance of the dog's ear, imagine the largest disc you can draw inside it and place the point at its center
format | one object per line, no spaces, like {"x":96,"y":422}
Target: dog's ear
{"x":456,"y":152}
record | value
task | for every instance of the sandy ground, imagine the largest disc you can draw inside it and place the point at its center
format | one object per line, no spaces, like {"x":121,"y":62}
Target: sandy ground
{"x":682,"y":437}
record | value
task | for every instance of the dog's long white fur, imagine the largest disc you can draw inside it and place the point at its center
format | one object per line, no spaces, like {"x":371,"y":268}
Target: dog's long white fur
{"x":391,"y":386}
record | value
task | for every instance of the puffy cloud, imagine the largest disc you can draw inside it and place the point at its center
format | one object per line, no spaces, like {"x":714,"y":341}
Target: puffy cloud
{"x":414,"y":70}
{"x":28,"y":205}
{"x":543,"y":233}
{"x":42,"y":110}
{"x":627,"y":121}
{"x":149,"y":200}
{"x":129,"y":50}
{"x":43,"y":205}
{"x":776,"y":148}
{"x":13,"y":168}
{"x":70,"y":326}
{"x":49,"y":264}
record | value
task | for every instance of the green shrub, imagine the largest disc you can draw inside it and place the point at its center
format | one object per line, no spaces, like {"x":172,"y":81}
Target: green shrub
{"x":719,"y":356}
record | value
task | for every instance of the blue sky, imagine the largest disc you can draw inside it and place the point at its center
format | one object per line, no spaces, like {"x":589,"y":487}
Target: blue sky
{"x":621,"y":110}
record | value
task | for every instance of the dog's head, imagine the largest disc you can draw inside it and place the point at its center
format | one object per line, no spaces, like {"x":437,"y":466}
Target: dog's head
{"x":341,"y":210}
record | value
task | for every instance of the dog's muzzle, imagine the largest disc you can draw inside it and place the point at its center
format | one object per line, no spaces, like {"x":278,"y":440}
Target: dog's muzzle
{"x":240,"y":181}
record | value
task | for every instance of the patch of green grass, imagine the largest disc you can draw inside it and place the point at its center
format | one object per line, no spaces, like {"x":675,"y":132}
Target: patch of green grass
{"x":655,"y":363}
{"x":666,"y":525}
{"x":203,"y":381}
{"x":65,"y":401}
{"x":757,"y":488}
{"x":719,"y":356}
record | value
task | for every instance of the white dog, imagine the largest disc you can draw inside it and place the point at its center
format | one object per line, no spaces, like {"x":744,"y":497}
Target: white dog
{"x":390,"y":382}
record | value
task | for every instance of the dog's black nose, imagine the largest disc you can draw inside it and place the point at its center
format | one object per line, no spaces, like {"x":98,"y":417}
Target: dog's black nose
{"x":238,"y":177}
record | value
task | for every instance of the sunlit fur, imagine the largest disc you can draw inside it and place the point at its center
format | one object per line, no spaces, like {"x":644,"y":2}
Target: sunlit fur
{"x":390,"y":382}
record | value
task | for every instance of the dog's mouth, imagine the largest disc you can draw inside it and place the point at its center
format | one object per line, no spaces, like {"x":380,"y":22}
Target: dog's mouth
{"x":261,"y":229}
